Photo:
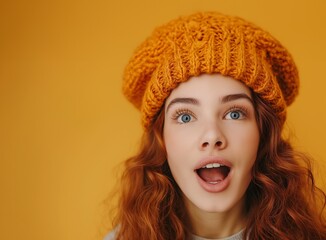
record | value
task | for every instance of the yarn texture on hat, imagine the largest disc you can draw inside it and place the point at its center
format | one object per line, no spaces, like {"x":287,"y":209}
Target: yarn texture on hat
{"x":209,"y":43}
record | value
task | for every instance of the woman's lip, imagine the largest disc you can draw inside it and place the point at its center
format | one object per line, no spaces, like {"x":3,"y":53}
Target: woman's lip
{"x":212,"y":159}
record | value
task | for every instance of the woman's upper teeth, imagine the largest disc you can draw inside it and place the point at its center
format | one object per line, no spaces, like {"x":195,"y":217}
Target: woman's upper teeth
{"x":211,"y":165}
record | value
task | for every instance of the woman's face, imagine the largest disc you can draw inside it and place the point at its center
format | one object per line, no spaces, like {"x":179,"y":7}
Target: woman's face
{"x":211,"y":139}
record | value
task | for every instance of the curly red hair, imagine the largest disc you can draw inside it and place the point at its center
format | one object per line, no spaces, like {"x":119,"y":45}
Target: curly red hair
{"x":282,"y":201}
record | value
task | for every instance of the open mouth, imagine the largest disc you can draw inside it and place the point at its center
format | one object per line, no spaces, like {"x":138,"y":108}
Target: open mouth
{"x":213,"y":173}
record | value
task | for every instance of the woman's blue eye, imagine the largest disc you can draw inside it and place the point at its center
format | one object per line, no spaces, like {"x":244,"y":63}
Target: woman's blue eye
{"x":184,"y":118}
{"x":234,"y":115}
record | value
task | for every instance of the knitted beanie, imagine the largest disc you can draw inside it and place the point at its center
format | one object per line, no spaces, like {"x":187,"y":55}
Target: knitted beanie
{"x":209,"y":42}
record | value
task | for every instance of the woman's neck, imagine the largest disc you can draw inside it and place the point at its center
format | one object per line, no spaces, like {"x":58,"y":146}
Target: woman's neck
{"x":217,"y":224}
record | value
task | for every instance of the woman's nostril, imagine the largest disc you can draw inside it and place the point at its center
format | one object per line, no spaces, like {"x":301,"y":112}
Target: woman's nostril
{"x":218,"y":143}
{"x":205,"y":144}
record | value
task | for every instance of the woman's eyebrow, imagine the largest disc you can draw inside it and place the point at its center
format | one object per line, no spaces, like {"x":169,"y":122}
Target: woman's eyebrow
{"x":193,"y":101}
{"x":233,"y":97}
{"x":225,"y":99}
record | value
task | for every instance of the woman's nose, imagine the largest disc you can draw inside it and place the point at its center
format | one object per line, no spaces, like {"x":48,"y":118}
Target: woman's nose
{"x":212,"y":138}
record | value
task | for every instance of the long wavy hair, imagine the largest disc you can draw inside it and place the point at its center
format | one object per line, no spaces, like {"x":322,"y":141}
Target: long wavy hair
{"x":282,"y":200}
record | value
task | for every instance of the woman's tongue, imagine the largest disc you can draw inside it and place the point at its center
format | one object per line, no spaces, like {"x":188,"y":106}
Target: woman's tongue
{"x":212,"y":175}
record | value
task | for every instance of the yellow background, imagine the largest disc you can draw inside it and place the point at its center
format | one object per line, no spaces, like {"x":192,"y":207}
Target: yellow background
{"x":64,"y":124}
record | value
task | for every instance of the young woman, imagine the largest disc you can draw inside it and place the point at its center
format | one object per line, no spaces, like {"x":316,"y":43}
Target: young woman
{"x":213,"y":92}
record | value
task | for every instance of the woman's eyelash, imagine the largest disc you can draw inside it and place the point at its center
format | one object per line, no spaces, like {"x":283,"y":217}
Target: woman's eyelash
{"x":241,"y":109}
{"x":180,"y":112}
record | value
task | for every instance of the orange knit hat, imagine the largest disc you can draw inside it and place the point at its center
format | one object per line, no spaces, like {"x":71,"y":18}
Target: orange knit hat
{"x":209,"y":43}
